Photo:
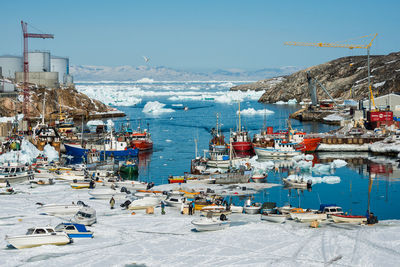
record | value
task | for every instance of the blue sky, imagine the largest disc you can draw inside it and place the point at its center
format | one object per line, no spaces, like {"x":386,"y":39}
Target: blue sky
{"x":199,"y":35}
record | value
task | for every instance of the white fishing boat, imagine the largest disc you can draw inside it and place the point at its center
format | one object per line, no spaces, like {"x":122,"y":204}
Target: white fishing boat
{"x":38,"y":236}
{"x":14,"y":173}
{"x":107,"y":193}
{"x":144,"y":203}
{"x":276,"y":148}
{"x":85,"y":216}
{"x":211,"y":223}
{"x":59,"y":209}
{"x":349,"y":219}
{"x":275,"y":218}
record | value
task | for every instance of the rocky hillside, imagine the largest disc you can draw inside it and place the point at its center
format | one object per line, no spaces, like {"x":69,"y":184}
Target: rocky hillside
{"x":338,"y":76}
{"x":73,"y":103}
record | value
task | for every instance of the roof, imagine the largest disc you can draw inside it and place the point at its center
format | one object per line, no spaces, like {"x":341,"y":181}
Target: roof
{"x":78,"y":226}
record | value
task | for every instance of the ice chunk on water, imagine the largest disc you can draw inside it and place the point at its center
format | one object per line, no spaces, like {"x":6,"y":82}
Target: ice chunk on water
{"x":252,"y":111}
{"x":155,"y":107}
{"x":50,"y":152}
{"x":338,"y":163}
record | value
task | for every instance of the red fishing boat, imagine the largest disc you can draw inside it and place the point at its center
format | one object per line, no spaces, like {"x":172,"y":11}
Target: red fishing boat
{"x":241,"y":141}
{"x":141,"y":140}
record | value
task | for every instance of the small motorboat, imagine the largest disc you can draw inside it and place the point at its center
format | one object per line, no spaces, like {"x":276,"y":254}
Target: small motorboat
{"x":215,"y":210}
{"x":275,"y":218}
{"x":236,"y":209}
{"x":259,"y":177}
{"x":251,"y":208}
{"x":60,"y":209}
{"x":74,"y":230}
{"x":107,"y":193}
{"x":175,"y":201}
{"x":85,"y":216}
{"x":38,"y":236}
{"x":211,"y":223}
{"x":337,"y":218}
{"x":82,"y":184}
{"x":330,"y":209}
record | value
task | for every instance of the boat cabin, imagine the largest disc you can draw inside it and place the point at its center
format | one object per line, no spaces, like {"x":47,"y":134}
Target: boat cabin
{"x":330,"y":209}
{"x":40,"y":231}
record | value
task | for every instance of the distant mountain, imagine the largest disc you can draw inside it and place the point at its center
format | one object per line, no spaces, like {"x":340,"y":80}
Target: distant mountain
{"x":160,"y":73}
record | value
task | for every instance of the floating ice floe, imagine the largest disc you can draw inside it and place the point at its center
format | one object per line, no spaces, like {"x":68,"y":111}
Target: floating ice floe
{"x":252,"y":111}
{"x":155,"y":107}
{"x":338,"y":163}
{"x":315,"y":180}
{"x":289,"y":102}
{"x":145,"y":80}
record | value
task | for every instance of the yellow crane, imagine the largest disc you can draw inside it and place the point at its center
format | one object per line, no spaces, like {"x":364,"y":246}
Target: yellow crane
{"x":349,"y":46}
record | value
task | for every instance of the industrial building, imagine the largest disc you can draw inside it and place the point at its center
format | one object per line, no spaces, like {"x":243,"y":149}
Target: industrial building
{"x":389,"y":101}
{"x":44,"y":69}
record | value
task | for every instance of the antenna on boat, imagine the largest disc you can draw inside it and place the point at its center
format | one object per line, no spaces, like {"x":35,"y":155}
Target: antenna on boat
{"x":44,"y":105}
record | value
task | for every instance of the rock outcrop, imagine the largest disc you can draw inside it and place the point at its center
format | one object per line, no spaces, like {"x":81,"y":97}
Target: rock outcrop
{"x":73,"y":103}
{"x":344,"y":78}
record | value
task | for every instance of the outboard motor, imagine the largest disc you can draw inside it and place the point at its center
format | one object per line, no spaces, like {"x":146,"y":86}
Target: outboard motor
{"x":309,"y":184}
{"x":165,"y":193}
{"x":372,"y":219}
{"x":75,"y":181}
{"x":81,"y":203}
{"x":223,"y":217}
{"x":123,"y":189}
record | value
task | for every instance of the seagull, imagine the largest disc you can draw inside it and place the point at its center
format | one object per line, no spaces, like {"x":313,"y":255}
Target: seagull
{"x":146,"y":59}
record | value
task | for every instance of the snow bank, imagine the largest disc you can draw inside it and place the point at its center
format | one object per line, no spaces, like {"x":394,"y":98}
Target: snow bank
{"x":50,"y":152}
{"x":333,"y":117}
{"x":95,"y":123}
{"x":252,"y":111}
{"x":155,"y":107}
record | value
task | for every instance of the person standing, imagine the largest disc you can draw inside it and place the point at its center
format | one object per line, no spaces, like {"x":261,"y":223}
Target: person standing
{"x":112,"y":203}
{"x":191,"y":208}
{"x":162,"y":208}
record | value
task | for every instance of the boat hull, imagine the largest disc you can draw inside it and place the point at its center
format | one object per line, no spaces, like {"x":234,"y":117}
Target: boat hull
{"x":275,"y":218}
{"x":78,"y":152}
{"x":349,"y":219}
{"x":311,"y":144}
{"x":205,"y":225}
{"x":55,"y":209}
{"x":275,"y":153}
{"x":242,"y":146}
{"x":142,"y":145}
{"x":252,"y":209}
{"x":31,"y":241}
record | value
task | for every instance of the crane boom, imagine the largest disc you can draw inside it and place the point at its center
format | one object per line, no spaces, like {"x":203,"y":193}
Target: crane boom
{"x":27,"y":35}
{"x":349,"y":46}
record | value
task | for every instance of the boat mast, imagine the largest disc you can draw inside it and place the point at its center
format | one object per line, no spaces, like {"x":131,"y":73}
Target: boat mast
{"x":82,"y":134}
{"x":44,"y":106}
{"x":240,"y":127}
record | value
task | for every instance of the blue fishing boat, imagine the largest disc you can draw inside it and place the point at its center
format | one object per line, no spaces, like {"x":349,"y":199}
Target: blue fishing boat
{"x":74,"y":230}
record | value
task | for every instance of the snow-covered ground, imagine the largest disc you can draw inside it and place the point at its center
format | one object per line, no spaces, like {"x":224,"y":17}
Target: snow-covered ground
{"x":169,"y":240}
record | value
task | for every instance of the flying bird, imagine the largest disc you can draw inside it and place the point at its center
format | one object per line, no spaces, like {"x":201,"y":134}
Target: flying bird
{"x":146,"y":59}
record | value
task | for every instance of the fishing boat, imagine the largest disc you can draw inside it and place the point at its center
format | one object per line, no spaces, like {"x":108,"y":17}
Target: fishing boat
{"x":129,"y":167}
{"x":60,"y":209}
{"x":176,"y":179}
{"x":86,"y":216}
{"x":337,"y":218}
{"x":109,"y":146}
{"x":217,"y":142}
{"x":211,"y":223}
{"x":276,"y":148}
{"x":241,"y":141}
{"x":74,"y":230}
{"x":275,"y":218}
{"x":141,"y":140}
{"x":38,"y":236}
{"x":15,"y":173}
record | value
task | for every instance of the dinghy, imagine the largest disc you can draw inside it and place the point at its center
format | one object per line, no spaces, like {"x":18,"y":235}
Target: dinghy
{"x":275,"y":218}
{"x":337,"y":218}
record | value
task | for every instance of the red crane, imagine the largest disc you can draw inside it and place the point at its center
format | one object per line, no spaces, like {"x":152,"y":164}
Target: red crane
{"x":26,"y":63}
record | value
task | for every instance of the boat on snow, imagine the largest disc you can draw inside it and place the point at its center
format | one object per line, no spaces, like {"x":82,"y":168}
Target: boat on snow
{"x":74,"y":230}
{"x":38,"y":236}
{"x":337,"y":218}
{"x":86,"y":216}
{"x":211,"y":223}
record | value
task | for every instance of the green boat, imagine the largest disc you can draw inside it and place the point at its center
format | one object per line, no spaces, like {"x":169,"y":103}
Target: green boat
{"x":130,"y":167}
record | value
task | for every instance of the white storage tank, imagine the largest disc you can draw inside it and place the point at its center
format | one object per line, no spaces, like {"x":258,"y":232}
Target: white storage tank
{"x":60,"y":65}
{"x":39,"y":61}
{"x":10,"y":65}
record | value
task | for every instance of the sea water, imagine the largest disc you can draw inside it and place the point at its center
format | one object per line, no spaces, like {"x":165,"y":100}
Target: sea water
{"x":175,"y":129}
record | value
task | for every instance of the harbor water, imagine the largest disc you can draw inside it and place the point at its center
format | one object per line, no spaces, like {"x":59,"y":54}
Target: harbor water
{"x":190,"y":113}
